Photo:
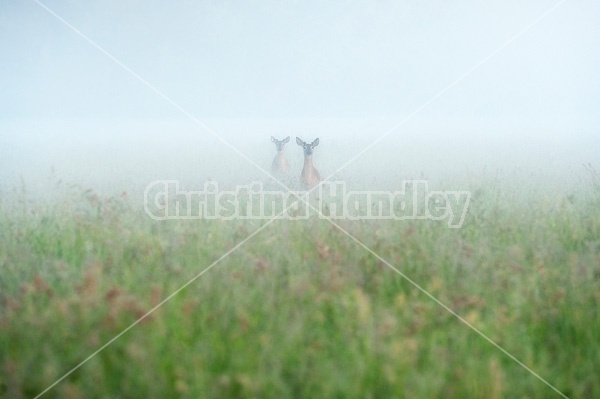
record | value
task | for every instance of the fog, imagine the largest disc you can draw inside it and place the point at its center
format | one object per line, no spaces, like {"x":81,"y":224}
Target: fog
{"x":150,"y":90}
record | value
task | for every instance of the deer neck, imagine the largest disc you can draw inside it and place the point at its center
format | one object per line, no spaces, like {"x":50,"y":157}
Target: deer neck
{"x":308,"y":161}
{"x":280,"y":156}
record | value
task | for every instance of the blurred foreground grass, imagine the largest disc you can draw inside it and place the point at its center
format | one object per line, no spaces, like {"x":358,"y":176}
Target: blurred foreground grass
{"x":300,"y":311}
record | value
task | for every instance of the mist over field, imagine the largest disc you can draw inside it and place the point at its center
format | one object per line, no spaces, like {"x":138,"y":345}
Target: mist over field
{"x":343,"y":72}
{"x":127,"y":156}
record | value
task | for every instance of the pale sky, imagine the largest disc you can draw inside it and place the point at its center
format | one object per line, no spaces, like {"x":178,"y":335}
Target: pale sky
{"x":291,"y":68}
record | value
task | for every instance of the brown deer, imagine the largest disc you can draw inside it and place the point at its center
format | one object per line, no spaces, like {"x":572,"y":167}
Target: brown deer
{"x":310,"y":176}
{"x":280,"y":166}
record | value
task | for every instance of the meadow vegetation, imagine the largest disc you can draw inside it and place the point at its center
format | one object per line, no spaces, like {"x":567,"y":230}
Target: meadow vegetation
{"x":300,"y":310}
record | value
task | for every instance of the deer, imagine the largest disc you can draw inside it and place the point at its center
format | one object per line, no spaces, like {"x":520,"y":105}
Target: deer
{"x":310,"y":175}
{"x":280,"y":166}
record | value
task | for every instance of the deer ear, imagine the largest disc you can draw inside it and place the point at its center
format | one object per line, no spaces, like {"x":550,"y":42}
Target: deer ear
{"x":286,"y":139}
{"x":299,"y":142}
{"x":316,"y":142}
{"x":273,"y":139}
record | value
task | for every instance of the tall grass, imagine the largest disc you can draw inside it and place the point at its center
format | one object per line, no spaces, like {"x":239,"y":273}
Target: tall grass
{"x":300,"y":310}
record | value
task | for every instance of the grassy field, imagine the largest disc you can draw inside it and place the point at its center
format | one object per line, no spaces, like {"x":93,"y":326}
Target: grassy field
{"x":300,"y":310}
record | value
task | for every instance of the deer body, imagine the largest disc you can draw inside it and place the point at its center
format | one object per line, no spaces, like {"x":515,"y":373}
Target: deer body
{"x":310,"y":175}
{"x":280,"y":166}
